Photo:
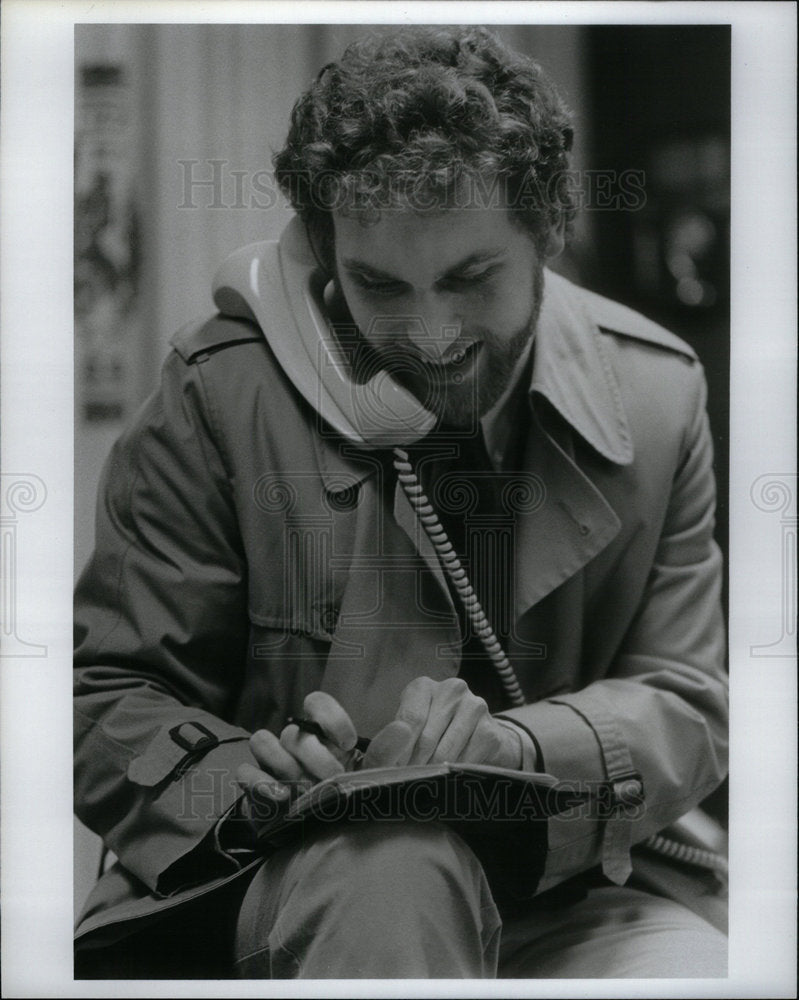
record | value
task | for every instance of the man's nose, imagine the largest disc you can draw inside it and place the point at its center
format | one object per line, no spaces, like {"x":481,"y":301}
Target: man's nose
{"x":434,"y":331}
{"x":431,"y":332}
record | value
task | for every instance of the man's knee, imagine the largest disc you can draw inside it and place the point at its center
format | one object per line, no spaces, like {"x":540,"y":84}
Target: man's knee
{"x":394,"y":857}
{"x":361,"y":882}
{"x":614,"y":933}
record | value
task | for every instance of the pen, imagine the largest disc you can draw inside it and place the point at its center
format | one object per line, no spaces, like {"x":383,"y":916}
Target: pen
{"x":307,"y":725}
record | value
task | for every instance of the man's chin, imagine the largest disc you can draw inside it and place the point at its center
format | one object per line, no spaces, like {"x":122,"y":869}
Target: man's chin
{"x":460,"y":408}
{"x":460,"y":405}
{"x":454,"y":406}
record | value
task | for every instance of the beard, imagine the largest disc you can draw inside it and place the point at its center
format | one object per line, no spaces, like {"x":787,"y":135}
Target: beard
{"x":458,"y":404}
{"x":458,"y":395}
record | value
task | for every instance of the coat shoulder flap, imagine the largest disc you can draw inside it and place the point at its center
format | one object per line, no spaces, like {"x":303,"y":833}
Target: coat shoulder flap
{"x":207,"y":336}
{"x":613,"y":317}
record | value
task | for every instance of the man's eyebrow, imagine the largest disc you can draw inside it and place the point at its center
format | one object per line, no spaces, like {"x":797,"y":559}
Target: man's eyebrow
{"x":479,"y":257}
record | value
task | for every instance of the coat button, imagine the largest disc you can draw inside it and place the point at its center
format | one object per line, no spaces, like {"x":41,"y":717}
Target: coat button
{"x":329,"y":619}
{"x":628,"y":791}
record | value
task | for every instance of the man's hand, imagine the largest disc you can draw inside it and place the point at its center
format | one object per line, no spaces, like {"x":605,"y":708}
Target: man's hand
{"x":443,"y":720}
{"x":296,"y":759}
{"x":436,"y":721}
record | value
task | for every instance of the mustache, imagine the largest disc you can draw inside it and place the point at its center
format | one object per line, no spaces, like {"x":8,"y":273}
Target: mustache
{"x":405,"y":360}
{"x":454,"y":355}
{"x":406,"y":350}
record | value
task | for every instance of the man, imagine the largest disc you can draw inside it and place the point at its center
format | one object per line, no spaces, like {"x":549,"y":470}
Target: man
{"x":258,"y":560}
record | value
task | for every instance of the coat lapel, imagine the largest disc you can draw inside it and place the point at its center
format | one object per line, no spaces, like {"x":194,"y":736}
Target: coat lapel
{"x":572,"y":521}
{"x":572,"y":370}
{"x":570,"y":524}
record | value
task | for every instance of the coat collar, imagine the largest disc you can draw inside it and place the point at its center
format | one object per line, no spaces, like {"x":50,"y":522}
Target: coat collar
{"x":572,"y":370}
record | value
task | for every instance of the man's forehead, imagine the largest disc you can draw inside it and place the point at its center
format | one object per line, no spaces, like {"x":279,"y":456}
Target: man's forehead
{"x":474,"y":223}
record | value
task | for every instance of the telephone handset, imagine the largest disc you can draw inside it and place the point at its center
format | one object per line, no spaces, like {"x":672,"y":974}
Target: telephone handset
{"x":279,"y":285}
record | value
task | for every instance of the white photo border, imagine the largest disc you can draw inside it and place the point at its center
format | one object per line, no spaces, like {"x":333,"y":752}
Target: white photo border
{"x":37,"y":442}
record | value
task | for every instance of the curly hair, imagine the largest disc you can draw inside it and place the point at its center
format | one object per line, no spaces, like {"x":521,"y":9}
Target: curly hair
{"x":428,"y":118}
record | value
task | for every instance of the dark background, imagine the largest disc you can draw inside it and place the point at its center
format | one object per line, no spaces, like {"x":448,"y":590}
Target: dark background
{"x":661,"y":99}
{"x":662,"y":96}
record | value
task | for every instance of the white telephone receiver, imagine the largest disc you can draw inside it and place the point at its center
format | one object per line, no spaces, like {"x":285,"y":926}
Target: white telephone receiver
{"x":278,"y":284}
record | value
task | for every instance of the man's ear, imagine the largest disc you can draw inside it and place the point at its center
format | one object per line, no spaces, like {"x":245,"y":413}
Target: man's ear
{"x":555,"y":241}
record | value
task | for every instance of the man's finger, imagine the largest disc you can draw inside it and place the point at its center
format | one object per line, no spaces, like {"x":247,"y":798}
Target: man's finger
{"x":337,"y":725}
{"x":415,"y":702}
{"x":314,"y":757}
{"x":414,"y":710}
{"x":391,"y":747}
{"x":273,"y":757}
{"x":457,"y":734}
{"x":260,"y":784}
{"x":265,"y":797}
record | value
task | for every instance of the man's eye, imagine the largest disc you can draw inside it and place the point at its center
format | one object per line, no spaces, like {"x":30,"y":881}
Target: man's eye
{"x":384,"y":288}
{"x":465,"y":281}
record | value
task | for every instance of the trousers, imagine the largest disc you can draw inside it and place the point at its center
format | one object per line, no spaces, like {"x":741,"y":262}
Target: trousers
{"x":407,"y":900}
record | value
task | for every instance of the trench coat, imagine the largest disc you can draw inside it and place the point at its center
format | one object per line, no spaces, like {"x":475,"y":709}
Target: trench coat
{"x":246,"y":556}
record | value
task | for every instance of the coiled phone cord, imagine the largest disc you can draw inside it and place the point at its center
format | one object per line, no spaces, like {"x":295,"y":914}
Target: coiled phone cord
{"x":452,"y":565}
{"x":457,"y":574}
{"x":689,"y":854}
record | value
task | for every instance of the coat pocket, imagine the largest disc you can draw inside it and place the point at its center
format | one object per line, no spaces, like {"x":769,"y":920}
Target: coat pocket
{"x":317,"y":619}
{"x":286,"y":660}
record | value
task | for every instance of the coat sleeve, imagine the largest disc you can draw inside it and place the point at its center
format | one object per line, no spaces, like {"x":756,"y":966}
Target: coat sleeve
{"x":160,"y":641}
{"x":660,"y":716}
